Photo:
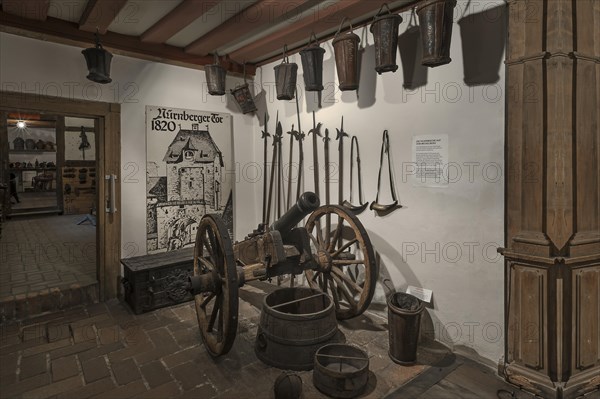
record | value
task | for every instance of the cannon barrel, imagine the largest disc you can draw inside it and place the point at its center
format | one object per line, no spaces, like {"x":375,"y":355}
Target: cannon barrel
{"x":307,"y":203}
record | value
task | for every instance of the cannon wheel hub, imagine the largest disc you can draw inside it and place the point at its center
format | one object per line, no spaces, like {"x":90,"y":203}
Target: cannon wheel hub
{"x":324,"y":260}
{"x":347,"y":270}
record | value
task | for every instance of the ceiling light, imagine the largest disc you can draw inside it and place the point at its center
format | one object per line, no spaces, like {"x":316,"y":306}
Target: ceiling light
{"x":21,"y":125}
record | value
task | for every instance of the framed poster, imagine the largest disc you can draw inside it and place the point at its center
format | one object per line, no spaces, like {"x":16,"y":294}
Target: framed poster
{"x":188,"y":154}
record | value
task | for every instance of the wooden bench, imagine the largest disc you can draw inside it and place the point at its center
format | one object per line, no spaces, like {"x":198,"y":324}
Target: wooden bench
{"x":157,"y":280}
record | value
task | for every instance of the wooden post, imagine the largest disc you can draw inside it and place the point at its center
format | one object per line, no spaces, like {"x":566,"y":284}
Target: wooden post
{"x":552,"y":249}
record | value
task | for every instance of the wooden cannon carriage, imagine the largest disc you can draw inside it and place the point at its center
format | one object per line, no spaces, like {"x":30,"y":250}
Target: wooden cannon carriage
{"x":332,"y":251}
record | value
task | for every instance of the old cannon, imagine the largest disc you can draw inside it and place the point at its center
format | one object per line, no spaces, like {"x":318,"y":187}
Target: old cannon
{"x":332,"y":251}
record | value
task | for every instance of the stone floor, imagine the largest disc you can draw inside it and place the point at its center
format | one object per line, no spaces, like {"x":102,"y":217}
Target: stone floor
{"x":45,"y":252}
{"x":35,"y":200}
{"x":105,"y":351}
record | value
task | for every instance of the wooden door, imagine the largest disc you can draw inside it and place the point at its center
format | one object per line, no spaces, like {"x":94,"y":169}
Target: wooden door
{"x":109,"y":161}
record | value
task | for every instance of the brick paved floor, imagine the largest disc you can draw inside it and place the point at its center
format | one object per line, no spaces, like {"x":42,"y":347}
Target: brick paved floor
{"x":45,"y":252}
{"x":103,"y":350}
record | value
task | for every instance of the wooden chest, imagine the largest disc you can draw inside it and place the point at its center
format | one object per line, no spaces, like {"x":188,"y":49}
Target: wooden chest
{"x":154,"y":281}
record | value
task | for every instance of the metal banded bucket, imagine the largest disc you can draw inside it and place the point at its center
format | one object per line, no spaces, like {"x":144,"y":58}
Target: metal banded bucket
{"x":286,"y":74}
{"x":404,"y":319}
{"x":385,"y":32}
{"x":341,"y":371}
{"x":244,"y":98}
{"x":435,"y":21}
{"x":294,"y":323}
{"x":215,"y":78}
{"x":346,"y":58}
{"x":312,"y":64}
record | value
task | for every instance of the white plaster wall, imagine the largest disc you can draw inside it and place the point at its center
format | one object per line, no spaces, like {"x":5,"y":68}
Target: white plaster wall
{"x":443,"y":239}
{"x":38,"y":67}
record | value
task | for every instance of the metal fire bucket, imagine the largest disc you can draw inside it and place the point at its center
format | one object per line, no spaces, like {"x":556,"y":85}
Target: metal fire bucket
{"x":435,"y":21}
{"x":346,"y":58}
{"x":404,"y":319}
{"x":215,"y":78}
{"x":243,"y":97}
{"x":312,"y":64}
{"x":98,"y":63}
{"x":385,"y":32}
{"x":294,"y":323}
{"x":341,"y":371}
{"x":286,"y":74}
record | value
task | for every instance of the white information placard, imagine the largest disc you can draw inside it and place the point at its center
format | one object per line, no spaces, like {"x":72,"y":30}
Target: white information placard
{"x":422,"y":293}
{"x":430,"y":160}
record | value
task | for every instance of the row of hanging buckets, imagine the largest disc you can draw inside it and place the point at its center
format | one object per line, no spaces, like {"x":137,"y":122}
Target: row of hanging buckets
{"x":435,"y":23}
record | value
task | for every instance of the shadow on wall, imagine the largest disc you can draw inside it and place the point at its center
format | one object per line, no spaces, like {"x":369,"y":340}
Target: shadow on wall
{"x":411,"y":53}
{"x":367,"y":81}
{"x":431,"y":327}
{"x":483,"y":36}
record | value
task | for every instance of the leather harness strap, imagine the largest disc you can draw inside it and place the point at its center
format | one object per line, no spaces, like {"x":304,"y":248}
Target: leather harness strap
{"x":385,"y":150}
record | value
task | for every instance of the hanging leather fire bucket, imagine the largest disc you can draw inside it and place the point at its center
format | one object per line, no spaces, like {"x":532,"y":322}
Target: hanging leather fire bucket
{"x":435,"y":21}
{"x":286,"y":74}
{"x":385,"y":32}
{"x":215,"y":78}
{"x":243,"y":97}
{"x":98,"y":63}
{"x":312,"y":64}
{"x":346,"y":58}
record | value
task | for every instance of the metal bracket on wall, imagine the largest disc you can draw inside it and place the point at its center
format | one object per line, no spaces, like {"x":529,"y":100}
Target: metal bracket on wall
{"x":110,"y":201}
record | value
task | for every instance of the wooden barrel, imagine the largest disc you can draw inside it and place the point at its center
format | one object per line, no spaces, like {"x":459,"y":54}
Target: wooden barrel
{"x":294,"y":323}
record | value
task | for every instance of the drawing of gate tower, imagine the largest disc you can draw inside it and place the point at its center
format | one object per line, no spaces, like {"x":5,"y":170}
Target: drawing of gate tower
{"x":191,"y":188}
{"x":194,"y":168}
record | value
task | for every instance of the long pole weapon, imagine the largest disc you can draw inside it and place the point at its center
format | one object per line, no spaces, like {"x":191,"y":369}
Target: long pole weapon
{"x":327,"y":199}
{"x":316,"y":131}
{"x":276,"y":138}
{"x":300,"y":137}
{"x":279,"y":133}
{"x":292,"y":134}
{"x":265,"y":137}
{"x":340,"y":136}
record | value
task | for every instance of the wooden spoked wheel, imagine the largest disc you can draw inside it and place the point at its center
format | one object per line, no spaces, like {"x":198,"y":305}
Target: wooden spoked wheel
{"x":347,"y":267}
{"x":217,"y":305}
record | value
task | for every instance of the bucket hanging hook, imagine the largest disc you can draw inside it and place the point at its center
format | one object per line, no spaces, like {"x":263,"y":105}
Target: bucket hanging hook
{"x":381,"y":8}
{"x":342,"y":24}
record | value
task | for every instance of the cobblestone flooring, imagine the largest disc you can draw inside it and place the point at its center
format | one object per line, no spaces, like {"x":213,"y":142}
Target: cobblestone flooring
{"x":45,"y":252}
{"x":103,"y":350}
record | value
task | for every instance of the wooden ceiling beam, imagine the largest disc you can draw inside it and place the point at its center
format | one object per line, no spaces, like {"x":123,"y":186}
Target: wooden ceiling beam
{"x":180,"y":17}
{"x":320,"y":21}
{"x":99,"y":14}
{"x":257,"y":15}
{"x":32,"y":9}
{"x":65,"y":32}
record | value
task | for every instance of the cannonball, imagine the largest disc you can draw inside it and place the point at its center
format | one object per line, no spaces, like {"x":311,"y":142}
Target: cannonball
{"x":288,"y":386}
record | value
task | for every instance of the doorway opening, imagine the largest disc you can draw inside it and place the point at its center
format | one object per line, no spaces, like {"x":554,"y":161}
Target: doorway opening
{"x":49,"y":234}
{"x":59,"y":226}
